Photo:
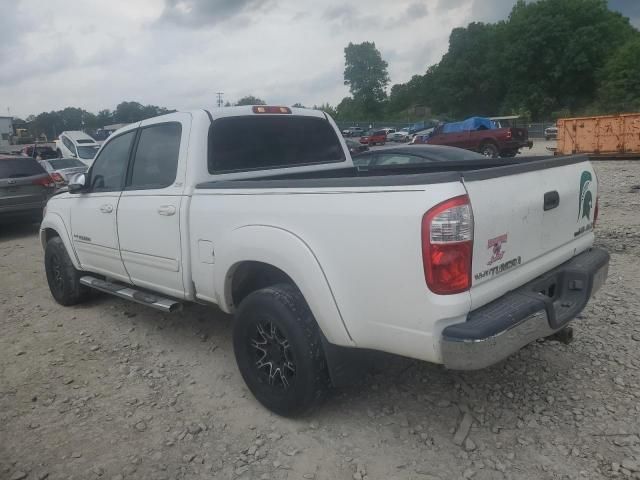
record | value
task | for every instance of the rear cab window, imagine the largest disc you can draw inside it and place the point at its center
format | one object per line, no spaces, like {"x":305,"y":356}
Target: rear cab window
{"x":246,"y":143}
{"x":20,"y":167}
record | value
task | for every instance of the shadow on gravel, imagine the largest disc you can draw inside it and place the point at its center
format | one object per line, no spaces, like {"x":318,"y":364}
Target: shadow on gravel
{"x":15,"y":231}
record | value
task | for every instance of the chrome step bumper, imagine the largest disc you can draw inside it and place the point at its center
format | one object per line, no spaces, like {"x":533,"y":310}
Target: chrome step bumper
{"x":128,"y":293}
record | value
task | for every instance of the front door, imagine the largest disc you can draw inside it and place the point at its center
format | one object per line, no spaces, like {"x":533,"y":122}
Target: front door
{"x":149,"y":211}
{"x":93,"y":217}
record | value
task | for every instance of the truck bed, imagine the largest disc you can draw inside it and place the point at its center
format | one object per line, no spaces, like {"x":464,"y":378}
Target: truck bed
{"x":399,"y":175}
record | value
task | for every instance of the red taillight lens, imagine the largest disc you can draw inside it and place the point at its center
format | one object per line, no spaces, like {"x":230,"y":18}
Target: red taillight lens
{"x":447,"y":246}
{"x":57,"y":177}
{"x":45,"y":182}
{"x":509,"y":134}
{"x":266,"y":109}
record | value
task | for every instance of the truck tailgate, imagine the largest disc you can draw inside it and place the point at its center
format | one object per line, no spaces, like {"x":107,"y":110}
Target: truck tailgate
{"x":528,"y":219}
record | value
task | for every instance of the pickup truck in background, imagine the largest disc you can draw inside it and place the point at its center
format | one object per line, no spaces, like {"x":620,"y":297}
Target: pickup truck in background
{"x":460,"y":263}
{"x":481,"y":135}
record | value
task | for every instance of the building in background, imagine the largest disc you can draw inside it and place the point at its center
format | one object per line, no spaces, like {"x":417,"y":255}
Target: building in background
{"x":6,"y":131}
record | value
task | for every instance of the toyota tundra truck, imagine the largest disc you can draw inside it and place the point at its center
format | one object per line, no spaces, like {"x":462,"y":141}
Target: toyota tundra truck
{"x":460,"y":264}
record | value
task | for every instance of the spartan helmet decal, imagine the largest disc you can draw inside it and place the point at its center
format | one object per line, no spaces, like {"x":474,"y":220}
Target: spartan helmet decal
{"x":585,"y":202}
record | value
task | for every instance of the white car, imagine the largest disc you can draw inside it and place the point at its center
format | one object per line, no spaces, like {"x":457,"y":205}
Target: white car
{"x":399,"y":136}
{"x":77,"y":144}
{"x":459,"y":263}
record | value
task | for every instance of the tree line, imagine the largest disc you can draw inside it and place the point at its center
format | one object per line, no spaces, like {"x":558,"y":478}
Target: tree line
{"x":548,"y":59}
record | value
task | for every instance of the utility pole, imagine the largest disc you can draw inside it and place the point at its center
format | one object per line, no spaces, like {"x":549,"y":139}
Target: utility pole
{"x":219,"y":94}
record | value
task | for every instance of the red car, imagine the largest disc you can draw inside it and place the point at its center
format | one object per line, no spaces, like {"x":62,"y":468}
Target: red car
{"x":375,"y":136}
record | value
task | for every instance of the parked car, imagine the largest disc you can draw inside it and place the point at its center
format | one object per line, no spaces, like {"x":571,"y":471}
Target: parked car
{"x":421,"y":137}
{"x":417,"y":155}
{"x":551,"y":133}
{"x":353,"y":132}
{"x":41,"y":152}
{"x":400,"y":136}
{"x":76,"y":144}
{"x":63,"y":169}
{"x":374,"y":137}
{"x":481,"y":135}
{"x":25,"y":187}
{"x":308,"y":252}
{"x":388,"y":130}
{"x":355,"y":147}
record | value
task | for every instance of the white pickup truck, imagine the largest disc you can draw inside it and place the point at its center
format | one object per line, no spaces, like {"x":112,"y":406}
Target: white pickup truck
{"x":259,"y":210}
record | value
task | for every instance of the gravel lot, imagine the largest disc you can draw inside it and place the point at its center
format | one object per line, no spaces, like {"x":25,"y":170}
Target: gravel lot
{"x":116,"y":391}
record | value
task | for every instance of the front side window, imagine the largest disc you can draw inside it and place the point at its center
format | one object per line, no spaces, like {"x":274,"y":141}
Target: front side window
{"x":238,"y":144}
{"x":109,"y":169}
{"x":156,"y":160}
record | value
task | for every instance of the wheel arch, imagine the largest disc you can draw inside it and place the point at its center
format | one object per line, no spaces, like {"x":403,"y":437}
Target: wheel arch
{"x":53,"y":226}
{"x":258,"y":256}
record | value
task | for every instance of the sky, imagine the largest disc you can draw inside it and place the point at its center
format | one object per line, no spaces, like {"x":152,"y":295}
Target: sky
{"x":94,"y":54}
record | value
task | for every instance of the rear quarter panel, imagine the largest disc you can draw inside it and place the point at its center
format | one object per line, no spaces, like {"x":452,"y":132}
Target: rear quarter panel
{"x":367,"y":243}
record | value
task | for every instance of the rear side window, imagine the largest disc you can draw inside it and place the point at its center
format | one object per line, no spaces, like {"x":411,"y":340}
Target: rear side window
{"x":156,"y":159}
{"x":20,"y":167}
{"x":238,"y":144}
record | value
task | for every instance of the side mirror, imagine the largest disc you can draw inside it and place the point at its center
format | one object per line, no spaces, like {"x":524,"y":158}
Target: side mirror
{"x":78,"y":184}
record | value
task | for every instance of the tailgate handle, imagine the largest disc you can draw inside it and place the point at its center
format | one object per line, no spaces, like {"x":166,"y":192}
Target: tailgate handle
{"x":551,"y":200}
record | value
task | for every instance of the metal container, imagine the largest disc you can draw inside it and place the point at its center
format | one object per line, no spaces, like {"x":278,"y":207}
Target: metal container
{"x":607,"y":135}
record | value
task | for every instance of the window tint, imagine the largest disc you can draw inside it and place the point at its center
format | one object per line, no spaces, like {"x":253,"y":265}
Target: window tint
{"x":156,"y":160}
{"x":67,"y":143}
{"x":362,"y":160}
{"x":66,"y":163}
{"x":85,"y":140}
{"x":398,"y":159}
{"x":108,"y":171}
{"x":263,"y":142}
{"x":19,"y":167}
{"x":88,"y":152}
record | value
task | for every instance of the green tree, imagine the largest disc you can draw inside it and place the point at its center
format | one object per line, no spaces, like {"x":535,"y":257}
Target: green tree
{"x":298,"y":105}
{"x":250,"y":100}
{"x":327,"y":108}
{"x":365,"y":72}
{"x":620,"y":79}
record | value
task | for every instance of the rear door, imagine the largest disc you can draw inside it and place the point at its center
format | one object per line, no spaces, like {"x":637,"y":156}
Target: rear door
{"x":527,"y":222}
{"x":25,"y":186}
{"x":150,"y":207}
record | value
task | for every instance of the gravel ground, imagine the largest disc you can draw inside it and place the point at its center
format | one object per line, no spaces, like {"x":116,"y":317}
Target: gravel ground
{"x":113,"y":390}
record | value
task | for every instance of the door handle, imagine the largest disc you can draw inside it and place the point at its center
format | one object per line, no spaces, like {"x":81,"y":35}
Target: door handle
{"x":106,"y":208}
{"x":551,"y":200}
{"x":167,"y":210}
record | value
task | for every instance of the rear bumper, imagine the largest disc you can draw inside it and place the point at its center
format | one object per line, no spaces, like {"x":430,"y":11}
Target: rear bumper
{"x":535,"y":310}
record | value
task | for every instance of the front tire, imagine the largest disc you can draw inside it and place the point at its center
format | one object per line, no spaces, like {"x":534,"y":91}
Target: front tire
{"x":489,"y":150}
{"x":279,"y":352}
{"x":62,"y":277}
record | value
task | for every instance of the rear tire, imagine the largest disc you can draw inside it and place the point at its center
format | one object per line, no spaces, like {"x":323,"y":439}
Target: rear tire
{"x":62,"y":277}
{"x":489,"y":150}
{"x":279,"y":352}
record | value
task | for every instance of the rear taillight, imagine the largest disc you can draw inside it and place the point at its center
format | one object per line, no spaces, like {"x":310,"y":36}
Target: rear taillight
{"x":447,"y":246}
{"x":45,"y":182}
{"x":57,"y":177}
{"x":509,"y":134}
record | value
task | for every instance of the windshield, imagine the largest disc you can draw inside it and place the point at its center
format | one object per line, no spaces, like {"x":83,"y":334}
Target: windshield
{"x":65,"y":163}
{"x":88,"y":152}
